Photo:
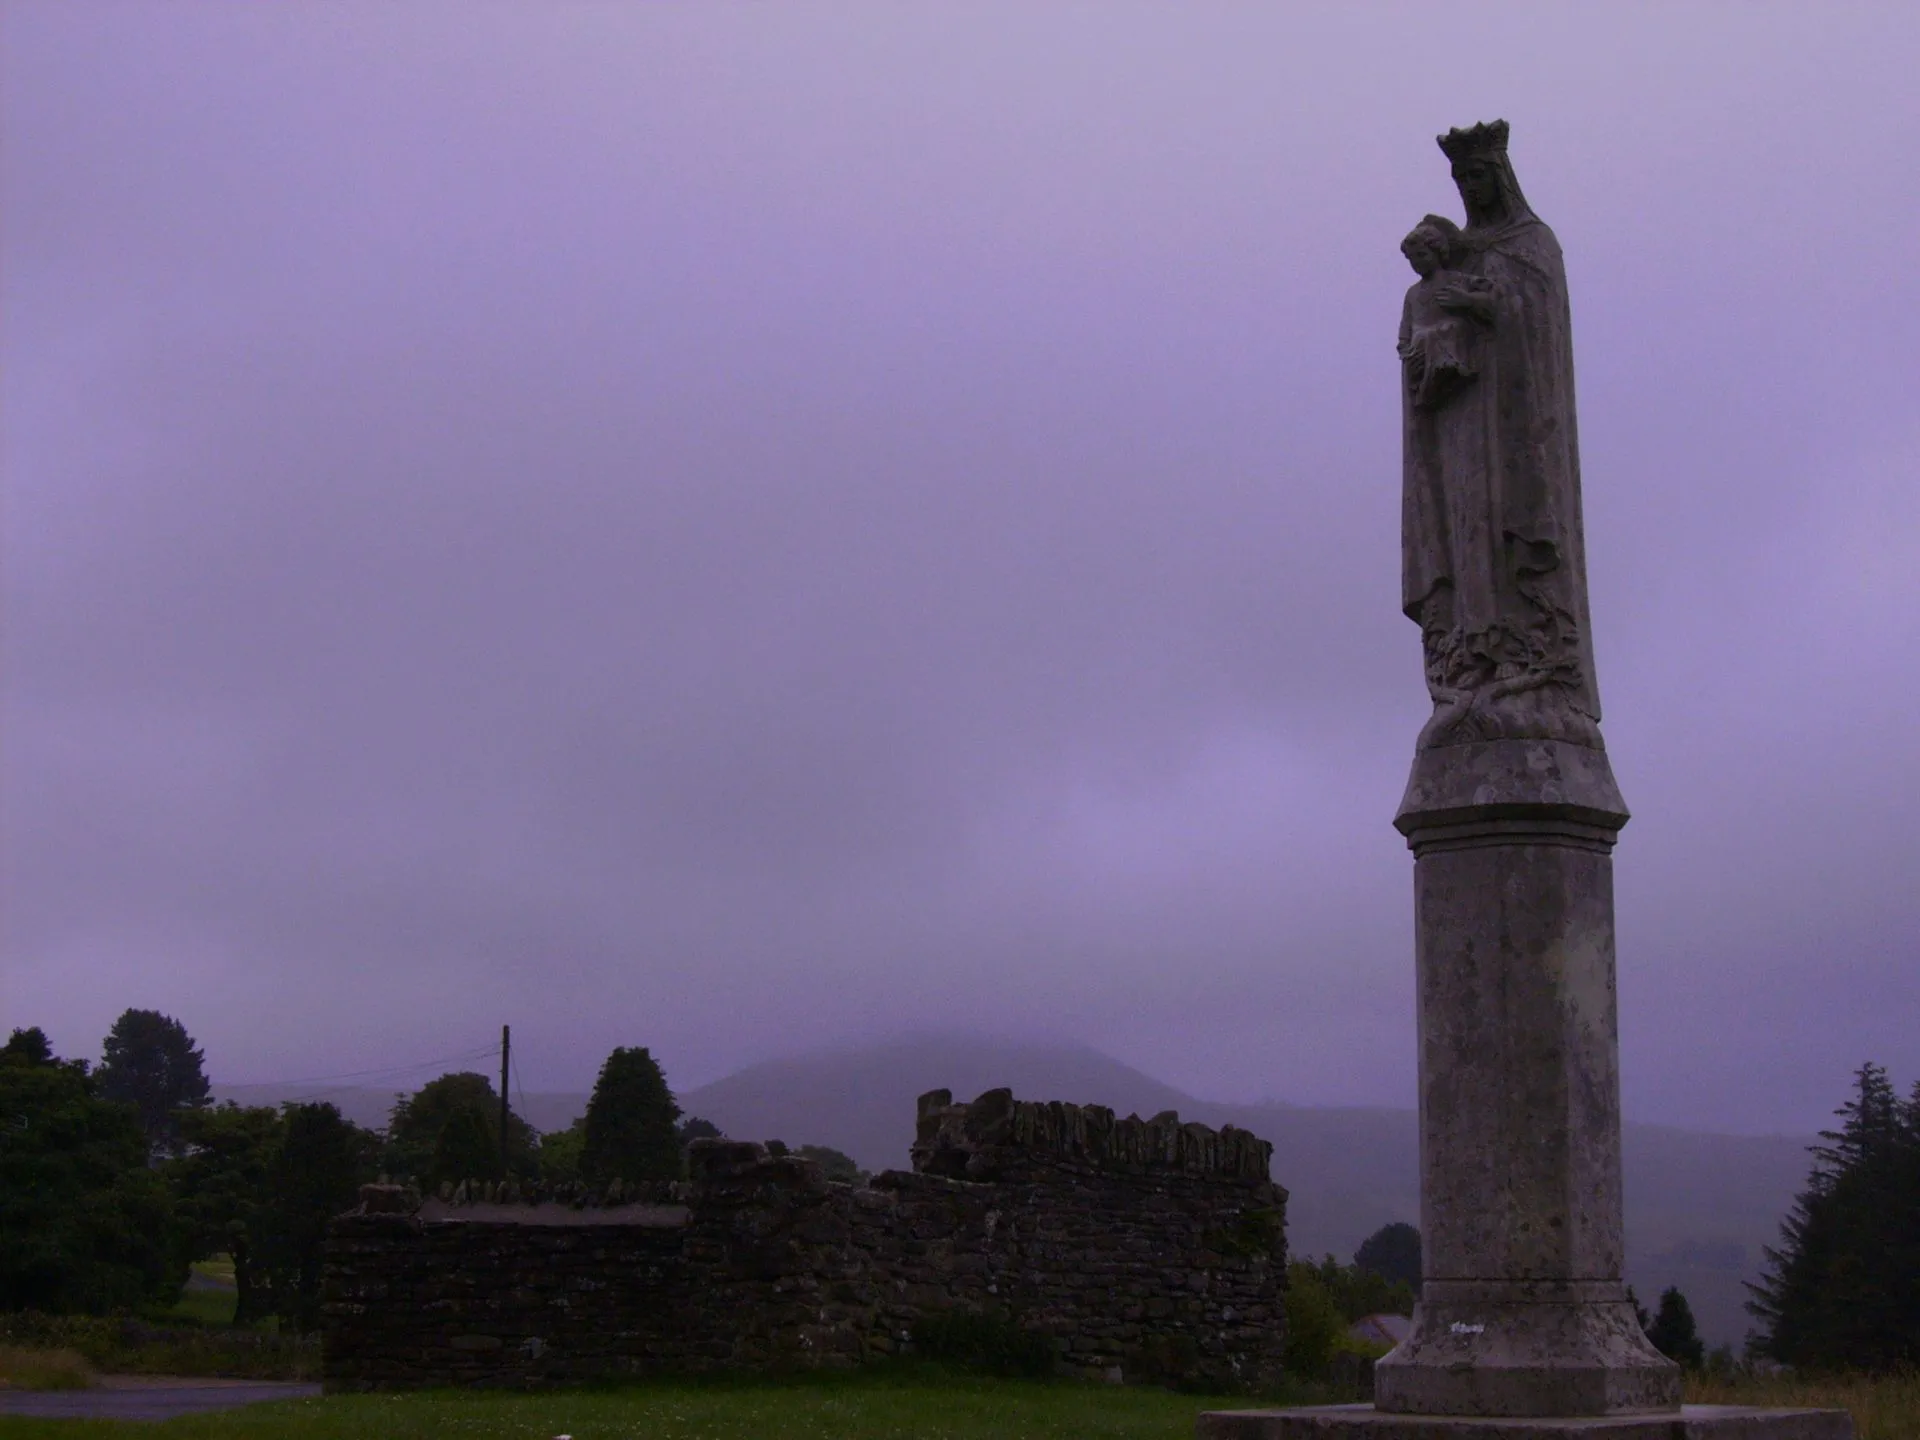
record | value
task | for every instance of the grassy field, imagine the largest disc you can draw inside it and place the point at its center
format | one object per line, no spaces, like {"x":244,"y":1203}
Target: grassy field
{"x":1884,"y":1408}
{"x":903,"y":1405}
{"x":209,"y":1298}
{"x":895,"y":1407}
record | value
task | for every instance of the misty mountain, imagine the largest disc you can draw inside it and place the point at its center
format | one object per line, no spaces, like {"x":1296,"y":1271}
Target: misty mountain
{"x":1699,"y":1206}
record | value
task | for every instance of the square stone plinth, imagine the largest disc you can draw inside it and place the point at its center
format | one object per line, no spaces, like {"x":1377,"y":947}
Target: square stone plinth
{"x":1363,"y":1422}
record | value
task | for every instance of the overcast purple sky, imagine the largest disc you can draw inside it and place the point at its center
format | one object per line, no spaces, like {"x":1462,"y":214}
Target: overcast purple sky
{"x":741,"y":528}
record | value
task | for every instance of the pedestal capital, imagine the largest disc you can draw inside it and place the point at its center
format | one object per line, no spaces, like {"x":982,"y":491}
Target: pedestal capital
{"x":1512,"y":786}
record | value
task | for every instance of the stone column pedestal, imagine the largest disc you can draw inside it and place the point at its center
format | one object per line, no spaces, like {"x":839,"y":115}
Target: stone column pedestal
{"x":1523,"y":1310}
{"x":1523,"y":1330}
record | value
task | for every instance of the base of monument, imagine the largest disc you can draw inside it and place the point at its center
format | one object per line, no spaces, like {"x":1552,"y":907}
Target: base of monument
{"x":1363,"y":1422}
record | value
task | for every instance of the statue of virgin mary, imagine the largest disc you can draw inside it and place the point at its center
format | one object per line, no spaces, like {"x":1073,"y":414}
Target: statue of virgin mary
{"x":1494,"y":565}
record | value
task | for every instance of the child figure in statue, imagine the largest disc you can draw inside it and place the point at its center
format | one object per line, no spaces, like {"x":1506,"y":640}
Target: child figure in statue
{"x":1436,"y":342}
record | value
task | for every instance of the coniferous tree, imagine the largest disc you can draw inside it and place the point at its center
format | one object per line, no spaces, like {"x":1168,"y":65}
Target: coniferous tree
{"x":150,"y":1062}
{"x":1393,"y":1253}
{"x":1842,"y":1289}
{"x":315,"y":1174}
{"x":630,"y":1125}
{"x":1673,"y":1331}
{"x":1640,"y":1315}
{"x":29,"y":1047}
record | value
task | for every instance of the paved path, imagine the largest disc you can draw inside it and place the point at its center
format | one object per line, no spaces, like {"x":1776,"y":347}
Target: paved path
{"x":148,"y":1397}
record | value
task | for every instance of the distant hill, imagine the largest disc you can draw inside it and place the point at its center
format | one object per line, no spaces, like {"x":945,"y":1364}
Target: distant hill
{"x":1699,"y":1205}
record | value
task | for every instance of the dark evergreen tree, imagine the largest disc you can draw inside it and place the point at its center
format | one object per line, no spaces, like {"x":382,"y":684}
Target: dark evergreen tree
{"x":322,"y":1161}
{"x":84,"y":1223}
{"x":1842,"y":1289}
{"x":151,"y":1063}
{"x":630,"y":1132}
{"x":1673,"y":1331}
{"x":1393,"y":1253}
{"x":30,"y":1047}
{"x":1640,"y":1314}
{"x":414,"y":1133}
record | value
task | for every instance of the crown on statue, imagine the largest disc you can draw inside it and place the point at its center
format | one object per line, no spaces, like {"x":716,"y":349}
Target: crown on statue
{"x":1483,"y":142}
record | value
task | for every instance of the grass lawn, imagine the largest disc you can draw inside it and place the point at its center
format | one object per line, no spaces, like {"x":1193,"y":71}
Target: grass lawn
{"x":902,"y":1405}
{"x":866,"y":1407}
{"x":210,"y":1297}
{"x":1883,"y":1408}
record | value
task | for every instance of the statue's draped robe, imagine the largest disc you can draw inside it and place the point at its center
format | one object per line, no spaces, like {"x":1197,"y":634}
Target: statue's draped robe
{"x":1494,"y":564}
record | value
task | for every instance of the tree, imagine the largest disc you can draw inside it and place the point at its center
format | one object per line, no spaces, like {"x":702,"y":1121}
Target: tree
{"x":1357,"y":1293}
{"x":1640,"y":1315}
{"x":262,"y":1185}
{"x":30,"y":1047}
{"x":560,"y":1152}
{"x":1315,"y":1323}
{"x":465,"y":1149}
{"x":1842,"y":1289}
{"x":150,"y":1062}
{"x":219,"y":1183}
{"x":1393,"y":1253}
{"x":315,"y":1174}
{"x":694,"y":1128}
{"x":84,"y":1223}
{"x":414,"y":1134}
{"x":629,"y":1127}
{"x":1673,"y":1332}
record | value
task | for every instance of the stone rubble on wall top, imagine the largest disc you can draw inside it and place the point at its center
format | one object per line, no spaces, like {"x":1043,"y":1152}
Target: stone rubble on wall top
{"x":996,"y":1133}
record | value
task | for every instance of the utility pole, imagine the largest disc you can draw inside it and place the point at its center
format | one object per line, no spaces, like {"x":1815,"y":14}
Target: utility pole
{"x":506,"y":1050}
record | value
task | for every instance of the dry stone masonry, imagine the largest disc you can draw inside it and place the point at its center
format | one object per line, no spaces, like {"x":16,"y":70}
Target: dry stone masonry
{"x":1135,"y":1249}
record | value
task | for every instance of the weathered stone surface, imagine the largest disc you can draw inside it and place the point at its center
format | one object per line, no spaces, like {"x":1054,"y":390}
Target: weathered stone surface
{"x":1147,"y":1247}
{"x":1511,"y":811}
{"x":1493,"y":558}
{"x":1510,"y":779}
{"x":1364,"y":1422}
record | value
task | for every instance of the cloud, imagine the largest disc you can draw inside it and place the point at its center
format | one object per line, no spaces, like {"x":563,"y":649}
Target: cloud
{"x":730,"y":530}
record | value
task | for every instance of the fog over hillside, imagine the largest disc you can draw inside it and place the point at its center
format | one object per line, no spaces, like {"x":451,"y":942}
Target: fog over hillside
{"x":1699,"y":1205}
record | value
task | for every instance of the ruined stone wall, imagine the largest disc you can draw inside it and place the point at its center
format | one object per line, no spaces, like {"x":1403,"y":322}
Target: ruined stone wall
{"x":1148,"y":1247}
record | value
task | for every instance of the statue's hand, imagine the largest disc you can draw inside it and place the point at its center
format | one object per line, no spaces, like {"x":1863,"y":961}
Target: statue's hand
{"x":1457,"y":295}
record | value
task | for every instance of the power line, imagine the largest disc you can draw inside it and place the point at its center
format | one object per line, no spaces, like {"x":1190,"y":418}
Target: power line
{"x":391,"y":1070}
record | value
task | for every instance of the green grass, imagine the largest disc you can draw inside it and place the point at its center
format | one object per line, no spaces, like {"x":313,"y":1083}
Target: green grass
{"x":114,"y":1345}
{"x":907,"y":1403}
{"x":32,"y":1368}
{"x":210,"y":1308}
{"x":1885,"y":1407}
{"x":217,"y":1268}
{"x":901,"y":1406}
